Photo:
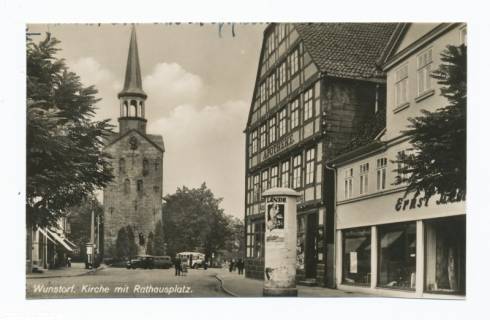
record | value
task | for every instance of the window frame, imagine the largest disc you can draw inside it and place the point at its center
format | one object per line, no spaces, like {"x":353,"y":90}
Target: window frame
{"x":424,"y":71}
{"x":297,"y":171}
{"x":310,"y":166}
{"x":401,"y":79}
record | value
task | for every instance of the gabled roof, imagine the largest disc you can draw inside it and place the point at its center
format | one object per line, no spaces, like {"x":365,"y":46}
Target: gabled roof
{"x":154,"y":139}
{"x":346,"y":50}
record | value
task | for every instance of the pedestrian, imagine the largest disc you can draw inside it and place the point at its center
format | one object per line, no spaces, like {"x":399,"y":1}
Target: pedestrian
{"x":68,"y":262}
{"x":232,"y":265}
{"x":178,"y":266}
{"x":241,"y":265}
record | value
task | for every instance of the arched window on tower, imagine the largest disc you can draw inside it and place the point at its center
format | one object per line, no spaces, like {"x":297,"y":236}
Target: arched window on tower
{"x":146,"y":167}
{"x":126,"y":109}
{"x":134,"y":108}
{"x":122,"y":165}
{"x":142,"y":109}
{"x":127,"y":186}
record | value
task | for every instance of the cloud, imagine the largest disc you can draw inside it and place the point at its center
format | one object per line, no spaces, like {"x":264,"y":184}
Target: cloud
{"x":169,"y":85}
{"x":91,"y":72}
{"x":206,"y":144}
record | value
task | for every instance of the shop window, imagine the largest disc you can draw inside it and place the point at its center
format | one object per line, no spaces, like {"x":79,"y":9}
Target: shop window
{"x":349,"y":174}
{"x":282,"y":122}
{"x":381,"y":165}
{"x":363,"y":178}
{"x":424,"y":62}
{"x":259,"y":240}
{"x":297,"y":171}
{"x":285,"y":174}
{"x":310,"y":166}
{"x":397,"y":256}
{"x":274,"y":177}
{"x":356,"y":258}
{"x":445,"y":255}
{"x":294,"y":114}
{"x":272,"y":130}
{"x":308,"y":104}
{"x":401,"y":85}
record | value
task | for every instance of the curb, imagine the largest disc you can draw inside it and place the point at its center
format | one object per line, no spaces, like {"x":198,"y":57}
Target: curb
{"x":222,"y":286}
{"x":68,"y":276}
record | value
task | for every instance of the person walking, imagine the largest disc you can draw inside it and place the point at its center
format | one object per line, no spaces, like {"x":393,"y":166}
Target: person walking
{"x":232,"y":265}
{"x":178,"y":266}
{"x":240,"y":266}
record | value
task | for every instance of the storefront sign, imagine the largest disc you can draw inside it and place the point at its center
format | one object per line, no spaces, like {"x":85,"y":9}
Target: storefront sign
{"x":281,"y":145}
{"x":418,"y":202}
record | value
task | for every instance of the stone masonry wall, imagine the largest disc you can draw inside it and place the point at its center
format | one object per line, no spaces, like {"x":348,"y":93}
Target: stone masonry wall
{"x":123,"y":203}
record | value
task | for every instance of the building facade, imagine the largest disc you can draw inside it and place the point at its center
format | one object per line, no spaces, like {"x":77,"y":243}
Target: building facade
{"x":389,"y":243}
{"x":134,"y":197}
{"x":316,"y":84}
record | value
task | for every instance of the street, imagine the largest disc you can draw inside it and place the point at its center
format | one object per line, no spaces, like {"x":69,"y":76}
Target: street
{"x":120,"y":282}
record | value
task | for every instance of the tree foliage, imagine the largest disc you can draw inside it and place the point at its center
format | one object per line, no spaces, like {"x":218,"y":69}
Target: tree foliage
{"x":125,"y":243}
{"x":437,"y":161}
{"x":158,"y":240}
{"x":65,"y":163}
{"x":193,"y":220}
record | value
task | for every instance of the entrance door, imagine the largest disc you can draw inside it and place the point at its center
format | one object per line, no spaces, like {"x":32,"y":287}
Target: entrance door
{"x":310,"y":245}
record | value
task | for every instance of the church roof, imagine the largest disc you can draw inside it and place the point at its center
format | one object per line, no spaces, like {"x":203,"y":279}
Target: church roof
{"x":346,"y":50}
{"x":132,"y":80}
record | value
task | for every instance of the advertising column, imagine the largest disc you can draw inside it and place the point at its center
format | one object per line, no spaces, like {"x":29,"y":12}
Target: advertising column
{"x":280,"y":242}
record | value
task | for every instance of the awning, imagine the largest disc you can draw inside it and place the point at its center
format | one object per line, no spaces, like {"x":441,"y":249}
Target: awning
{"x":46,"y":235}
{"x":60,"y":240}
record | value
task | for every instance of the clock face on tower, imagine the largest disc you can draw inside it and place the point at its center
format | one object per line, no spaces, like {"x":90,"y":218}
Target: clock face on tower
{"x":133,"y":143}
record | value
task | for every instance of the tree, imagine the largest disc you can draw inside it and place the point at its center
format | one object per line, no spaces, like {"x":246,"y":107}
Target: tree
{"x":158,"y":240}
{"x":65,"y":162}
{"x":193,"y":220}
{"x":437,"y":161}
{"x":149,"y":244}
{"x":125,"y":243}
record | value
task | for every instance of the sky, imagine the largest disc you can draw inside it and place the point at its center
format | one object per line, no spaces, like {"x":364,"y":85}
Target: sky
{"x":199,"y":85}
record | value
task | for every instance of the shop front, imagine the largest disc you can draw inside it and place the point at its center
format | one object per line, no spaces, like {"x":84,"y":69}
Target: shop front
{"x":391,"y":245}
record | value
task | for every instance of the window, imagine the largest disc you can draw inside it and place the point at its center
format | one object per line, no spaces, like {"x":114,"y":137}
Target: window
{"x":249,"y":190}
{"x":250,"y":239}
{"x":271,"y":43}
{"x":265,"y":181}
{"x":381,"y":173}
{"x":263,"y":136}
{"x":294,"y":114}
{"x":445,"y":243}
{"x":293,"y":60}
{"x":282,"y":74}
{"x":274,"y":177}
{"x":127,"y":186}
{"x":297,"y":171}
{"x":401,"y":85}
{"x":281,"y":32}
{"x":256,"y":188}
{"x":401,"y":167}
{"x":157,"y":164}
{"x":271,"y":84}
{"x":363,"y":181}
{"x":356,"y":258}
{"x":259,"y":229}
{"x":397,"y":255}
{"x":272,"y":130}
{"x":122,"y":165}
{"x":254,"y":141}
{"x":310,"y":166}
{"x":285,"y":174}
{"x":283,"y":122}
{"x":263,"y":96}
{"x":424,"y":61}
{"x":146,"y":167}
{"x":308,"y":104}
{"x":139,"y":185}
{"x":349,"y":174}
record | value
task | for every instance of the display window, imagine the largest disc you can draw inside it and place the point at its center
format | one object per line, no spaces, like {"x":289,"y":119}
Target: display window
{"x":397,"y":255}
{"x":356,"y":258}
{"x":445,"y":255}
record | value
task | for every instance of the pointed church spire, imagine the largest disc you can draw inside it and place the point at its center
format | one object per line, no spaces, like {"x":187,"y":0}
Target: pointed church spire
{"x":132,"y":80}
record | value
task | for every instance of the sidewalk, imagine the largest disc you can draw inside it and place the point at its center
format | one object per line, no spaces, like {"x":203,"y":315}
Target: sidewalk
{"x":239,"y":286}
{"x":77,"y":269}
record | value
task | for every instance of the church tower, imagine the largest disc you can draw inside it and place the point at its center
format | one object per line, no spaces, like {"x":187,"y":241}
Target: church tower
{"x":133,"y":200}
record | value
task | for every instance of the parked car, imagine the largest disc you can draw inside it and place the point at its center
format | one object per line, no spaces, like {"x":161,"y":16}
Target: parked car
{"x":164,"y":262}
{"x":145,"y":262}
